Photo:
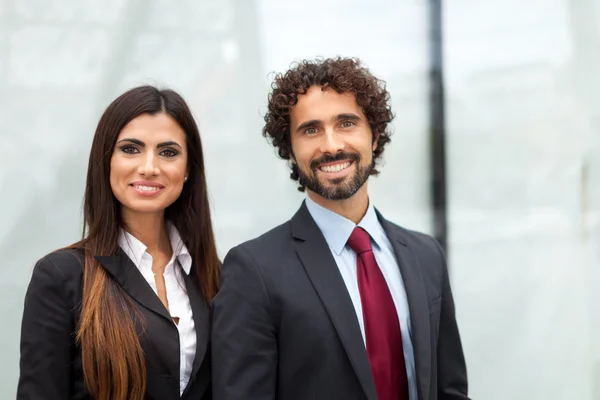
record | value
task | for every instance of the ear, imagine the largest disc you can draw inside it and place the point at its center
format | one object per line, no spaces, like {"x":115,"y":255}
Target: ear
{"x":375,"y":139}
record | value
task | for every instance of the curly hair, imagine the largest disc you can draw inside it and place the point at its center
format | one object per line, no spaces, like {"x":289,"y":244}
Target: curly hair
{"x":340,"y":74}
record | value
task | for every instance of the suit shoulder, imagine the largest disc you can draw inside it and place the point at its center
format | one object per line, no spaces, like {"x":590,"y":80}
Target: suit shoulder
{"x":63,"y":263}
{"x":270,"y":240}
{"x":414,"y":238}
{"x":425,"y":246}
{"x":263,"y":250}
{"x":57,"y":275}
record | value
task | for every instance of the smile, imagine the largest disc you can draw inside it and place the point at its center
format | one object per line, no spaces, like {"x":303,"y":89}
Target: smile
{"x":147,"y":189}
{"x":336,"y":167}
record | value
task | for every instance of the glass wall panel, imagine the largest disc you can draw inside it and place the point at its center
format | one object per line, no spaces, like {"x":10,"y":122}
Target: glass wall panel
{"x":524,"y":179}
{"x":61,"y":63}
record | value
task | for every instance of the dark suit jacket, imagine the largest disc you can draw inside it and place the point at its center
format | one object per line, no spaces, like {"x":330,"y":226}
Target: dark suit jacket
{"x":284,"y":326}
{"x":50,"y":365}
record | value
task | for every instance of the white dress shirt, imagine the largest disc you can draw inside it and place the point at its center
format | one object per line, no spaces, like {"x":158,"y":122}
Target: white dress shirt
{"x":336,"y":230}
{"x":179,"y":302}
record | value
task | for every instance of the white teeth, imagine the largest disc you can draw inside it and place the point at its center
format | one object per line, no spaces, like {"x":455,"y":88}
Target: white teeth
{"x":146,"y":188}
{"x":335,"y":168}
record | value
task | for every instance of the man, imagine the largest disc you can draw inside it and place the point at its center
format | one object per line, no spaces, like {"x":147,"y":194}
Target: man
{"x":338,"y":302}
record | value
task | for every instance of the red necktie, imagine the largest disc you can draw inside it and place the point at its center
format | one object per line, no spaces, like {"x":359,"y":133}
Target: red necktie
{"x":382,"y":328}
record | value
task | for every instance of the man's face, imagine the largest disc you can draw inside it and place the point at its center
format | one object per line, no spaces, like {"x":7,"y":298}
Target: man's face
{"x":332,"y":143}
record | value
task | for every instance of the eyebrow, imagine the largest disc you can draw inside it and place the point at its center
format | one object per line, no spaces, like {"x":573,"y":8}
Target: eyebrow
{"x":315,"y":122}
{"x":347,"y":116}
{"x":142,"y":144}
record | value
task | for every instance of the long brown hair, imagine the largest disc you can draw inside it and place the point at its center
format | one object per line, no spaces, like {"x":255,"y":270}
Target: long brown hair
{"x":113,"y":361}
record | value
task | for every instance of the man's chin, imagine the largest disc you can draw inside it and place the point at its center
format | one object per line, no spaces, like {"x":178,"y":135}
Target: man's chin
{"x":333,"y":191}
{"x":334,"y":182}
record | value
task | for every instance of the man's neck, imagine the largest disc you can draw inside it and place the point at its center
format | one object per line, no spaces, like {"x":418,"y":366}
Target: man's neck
{"x":150,"y":229}
{"x":353,"y":208}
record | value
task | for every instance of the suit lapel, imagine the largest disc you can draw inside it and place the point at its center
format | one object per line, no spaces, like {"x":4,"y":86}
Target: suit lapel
{"x":164,"y":340}
{"x":129,"y":277}
{"x":201,"y":315}
{"x":417,"y":304}
{"x":323,"y":272}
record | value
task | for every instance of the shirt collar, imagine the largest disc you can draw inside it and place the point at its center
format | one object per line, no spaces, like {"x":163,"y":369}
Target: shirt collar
{"x":337,"y":229}
{"x":135,"y":249}
{"x":179,"y":249}
{"x":370,"y":223}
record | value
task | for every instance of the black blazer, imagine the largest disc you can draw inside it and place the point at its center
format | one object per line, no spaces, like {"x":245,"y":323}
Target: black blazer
{"x":284,"y":326}
{"x":50,"y":364}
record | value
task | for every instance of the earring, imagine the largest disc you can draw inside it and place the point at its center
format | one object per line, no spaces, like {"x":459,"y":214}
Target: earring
{"x":185,"y":179}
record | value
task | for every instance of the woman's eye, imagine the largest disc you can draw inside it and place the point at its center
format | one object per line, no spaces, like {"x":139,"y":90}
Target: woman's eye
{"x":129,"y":150}
{"x":168,"y":153}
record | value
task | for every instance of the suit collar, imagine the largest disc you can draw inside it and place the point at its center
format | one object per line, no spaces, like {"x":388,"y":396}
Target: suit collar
{"x":392,"y":231}
{"x":135,"y":249}
{"x":337,"y":229}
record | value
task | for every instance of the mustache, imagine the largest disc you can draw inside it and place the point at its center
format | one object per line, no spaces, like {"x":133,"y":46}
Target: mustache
{"x":328,"y":158}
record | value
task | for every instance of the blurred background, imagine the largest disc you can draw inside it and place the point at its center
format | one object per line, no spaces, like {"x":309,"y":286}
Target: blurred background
{"x":496,"y":149}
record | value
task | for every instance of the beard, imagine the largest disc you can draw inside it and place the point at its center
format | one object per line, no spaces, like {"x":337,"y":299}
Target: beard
{"x":339,"y":188}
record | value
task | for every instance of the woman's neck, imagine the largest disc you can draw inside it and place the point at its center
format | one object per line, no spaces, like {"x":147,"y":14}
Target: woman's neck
{"x":151,"y":230}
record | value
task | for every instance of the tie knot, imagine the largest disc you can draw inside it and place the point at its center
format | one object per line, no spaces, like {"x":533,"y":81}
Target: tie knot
{"x":360,"y":241}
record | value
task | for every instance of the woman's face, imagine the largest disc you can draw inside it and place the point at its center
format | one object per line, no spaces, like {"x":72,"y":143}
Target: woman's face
{"x":148,"y":167}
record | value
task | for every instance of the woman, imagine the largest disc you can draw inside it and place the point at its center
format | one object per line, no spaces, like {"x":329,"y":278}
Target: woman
{"x":123,"y":314}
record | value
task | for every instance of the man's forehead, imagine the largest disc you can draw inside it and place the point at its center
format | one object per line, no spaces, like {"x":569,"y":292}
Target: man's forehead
{"x":326,"y":93}
{"x":324,"y":104}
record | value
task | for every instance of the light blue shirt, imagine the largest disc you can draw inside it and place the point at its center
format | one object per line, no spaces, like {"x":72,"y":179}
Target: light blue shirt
{"x":337,"y":230}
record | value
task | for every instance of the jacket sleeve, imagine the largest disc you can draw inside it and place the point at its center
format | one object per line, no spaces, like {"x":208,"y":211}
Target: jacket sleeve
{"x":452,"y":369}
{"x":244,"y":347}
{"x":46,"y":336}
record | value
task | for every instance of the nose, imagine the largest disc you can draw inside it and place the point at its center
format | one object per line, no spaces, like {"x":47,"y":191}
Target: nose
{"x":148,"y":165}
{"x":331,"y":142}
